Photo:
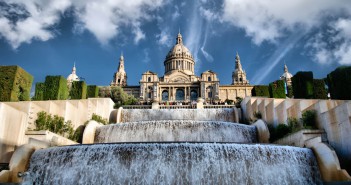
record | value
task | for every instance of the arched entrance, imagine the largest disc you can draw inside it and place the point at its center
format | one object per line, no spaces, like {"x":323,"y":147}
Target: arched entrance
{"x":193,"y":95}
{"x":165,"y":95}
{"x":180,"y":95}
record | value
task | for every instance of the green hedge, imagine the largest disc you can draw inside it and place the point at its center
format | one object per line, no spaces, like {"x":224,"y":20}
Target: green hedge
{"x":92,"y":91}
{"x":39,"y":91}
{"x":55,"y":88}
{"x":290,"y":91}
{"x":277,"y":89}
{"x":15,"y":84}
{"x":302,"y":83}
{"x":319,"y":91}
{"x":260,"y":90}
{"x":78,"y":90}
{"x":339,"y":83}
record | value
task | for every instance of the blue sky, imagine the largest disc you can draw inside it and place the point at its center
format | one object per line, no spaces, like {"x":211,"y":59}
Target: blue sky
{"x":47,"y":37}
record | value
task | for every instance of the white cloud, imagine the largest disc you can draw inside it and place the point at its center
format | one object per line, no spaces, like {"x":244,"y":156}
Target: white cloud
{"x":272,"y":20}
{"x":105,"y":17}
{"x":164,"y":38}
{"x":268,"y":20}
{"x":332,"y":44}
{"x":36,"y":19}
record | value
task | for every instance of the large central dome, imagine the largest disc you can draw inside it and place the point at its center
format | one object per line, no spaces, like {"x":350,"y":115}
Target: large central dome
{"x":179,"y":58}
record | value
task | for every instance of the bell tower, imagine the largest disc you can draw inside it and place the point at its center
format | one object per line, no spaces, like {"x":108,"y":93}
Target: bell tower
{"x":120,"y":77}
{"x":239,"y":75}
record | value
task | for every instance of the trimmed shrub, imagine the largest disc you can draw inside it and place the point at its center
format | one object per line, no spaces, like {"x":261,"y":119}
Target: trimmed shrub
{"x":78,"y":90}
{"x":39,"y":91}
{"x":55,"y":88}
{"x":290,"y":91}
{"x":260,"y":90}
{"x":15,"y":84}
{"x":339,"y":83}
{"x":319,"y":91}
{"x":302,"y":83}
{"x":92,"y":91}
{"x":277,"y":89}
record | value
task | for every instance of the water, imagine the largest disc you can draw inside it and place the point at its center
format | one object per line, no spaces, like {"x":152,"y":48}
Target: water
{"x":173,"y":163}
{"x":176,"y":131}
{"x":132,"y":115}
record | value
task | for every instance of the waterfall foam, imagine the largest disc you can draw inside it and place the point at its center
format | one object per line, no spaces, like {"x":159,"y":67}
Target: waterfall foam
{"x":132,"y":115}
{"x":174,"y":163}
{"x":176,"y":131}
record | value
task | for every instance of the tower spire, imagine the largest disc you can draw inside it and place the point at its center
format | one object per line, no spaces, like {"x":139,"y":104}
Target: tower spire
{"x":237,"y":62}
{"x":179,"y":38}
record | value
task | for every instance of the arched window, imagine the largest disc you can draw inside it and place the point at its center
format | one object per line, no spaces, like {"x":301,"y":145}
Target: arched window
{"x":209,"y":91}
{"x":179,"y":94}
{"x":193,"y":95}
{"x":209,"y":79}
{"x":165,"y":95}
{"x":149,"y":79}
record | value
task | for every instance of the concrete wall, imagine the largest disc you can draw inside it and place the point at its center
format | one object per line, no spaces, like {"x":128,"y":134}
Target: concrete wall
{"x":333,"y":116}
{"x":18,"y":117}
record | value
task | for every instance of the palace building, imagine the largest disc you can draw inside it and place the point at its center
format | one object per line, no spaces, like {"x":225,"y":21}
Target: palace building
{"x":179,"y":82}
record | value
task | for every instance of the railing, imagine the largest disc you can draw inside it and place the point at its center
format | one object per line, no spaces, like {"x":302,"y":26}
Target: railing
{"x":218,"y":106}
{"x":136,"y":106}
{"x":177,"y":107}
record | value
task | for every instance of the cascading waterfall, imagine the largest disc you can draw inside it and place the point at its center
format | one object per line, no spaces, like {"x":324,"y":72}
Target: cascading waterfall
{"x":176,"y":131}
{"x":174,"y":163}
{"x":132,"y":115}
{"x":153,"y":148}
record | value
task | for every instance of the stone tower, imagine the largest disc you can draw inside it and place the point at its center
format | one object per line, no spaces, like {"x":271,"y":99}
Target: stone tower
{"x":239,"y":75}
{"x":120,"y":77}
{"x":286,"y":76}
{"x":72,"y":77}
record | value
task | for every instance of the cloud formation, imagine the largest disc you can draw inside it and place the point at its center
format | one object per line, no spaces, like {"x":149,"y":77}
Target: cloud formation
{"x":24,"y":21}
{"x":272,"y":20}
{"x":104,"y":18}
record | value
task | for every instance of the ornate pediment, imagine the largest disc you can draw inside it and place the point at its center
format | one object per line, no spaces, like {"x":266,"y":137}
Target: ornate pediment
{"x":179,"y":80}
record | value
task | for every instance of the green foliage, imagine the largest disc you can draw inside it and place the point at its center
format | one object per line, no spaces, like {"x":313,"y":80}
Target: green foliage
{"x":55,"y":88}
{"x":78,"y":134}
{"x":229,"y":102}
{"x":277,"y":89}
{"x":294,"y":125}
{"x":99,"y":119}
{"x":54,"y":124}
{"x":309,"y":119}
{"x":258,"y":115}
{"x":260,"y":90}
{"x":238,"y":102}
{"x":290,"y":92}
{"x":15,"y":84}
{"x":78,"y":90}
{"x":117,"y":94}
{"x":92,"y":91}
{"x":339,"y":83}
{"x":319,"y":91}
{"x":302,"y":83}
{"x":39,"y":91}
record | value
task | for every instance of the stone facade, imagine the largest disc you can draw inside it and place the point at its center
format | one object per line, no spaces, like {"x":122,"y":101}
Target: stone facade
{"x":179,"y":82}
